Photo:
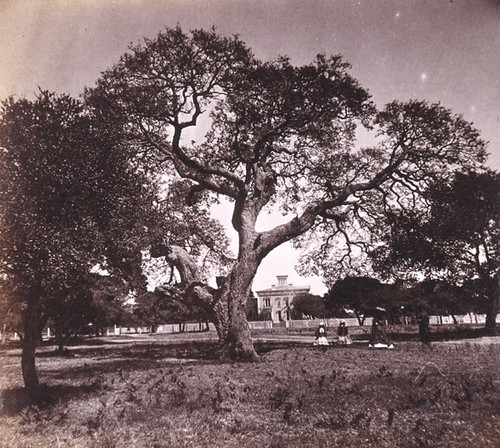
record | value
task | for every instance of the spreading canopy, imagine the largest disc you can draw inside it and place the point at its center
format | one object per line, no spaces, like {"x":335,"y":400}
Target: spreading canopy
{"x":274,"y":130}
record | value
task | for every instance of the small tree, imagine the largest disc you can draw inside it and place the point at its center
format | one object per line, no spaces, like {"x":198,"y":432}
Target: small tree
{"x":164,"y":305}
{"x":109,"y":303}
{"x":68,"y":201}
{"x":361,"y":294}
{"x":68,"y":313}
{"x":308,"y":305}
{"x":10,"y":312}
{"x":456,"y":238}
{"x":151,"y":310}
{"x":252,"y":311}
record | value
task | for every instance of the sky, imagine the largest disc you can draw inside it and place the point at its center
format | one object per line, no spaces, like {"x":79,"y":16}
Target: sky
{"x":445,"y":51}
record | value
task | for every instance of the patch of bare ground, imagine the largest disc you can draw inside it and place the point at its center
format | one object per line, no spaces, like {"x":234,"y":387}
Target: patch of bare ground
{"x":173,"y":392}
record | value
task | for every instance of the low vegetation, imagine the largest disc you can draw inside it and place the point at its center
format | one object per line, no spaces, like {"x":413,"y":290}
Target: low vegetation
{"x":172,"y":391}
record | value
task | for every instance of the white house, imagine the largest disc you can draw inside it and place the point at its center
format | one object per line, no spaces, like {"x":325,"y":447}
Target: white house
{"x":278,"y":299}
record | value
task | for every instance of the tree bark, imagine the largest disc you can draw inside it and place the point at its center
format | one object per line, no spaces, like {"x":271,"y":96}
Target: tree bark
{"x":29,"y":344}
{"x":490,"y":326}
{"x":238,"y":340}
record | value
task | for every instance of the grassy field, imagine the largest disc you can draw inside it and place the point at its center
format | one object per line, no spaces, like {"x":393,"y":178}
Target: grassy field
{"x":171,"y":391}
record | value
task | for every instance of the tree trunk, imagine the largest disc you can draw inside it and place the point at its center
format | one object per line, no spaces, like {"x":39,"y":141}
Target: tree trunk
{"x":30,"y":339}
{"x":221,"y":308}
{"x":59,"y":337}
{"x":236,"y":290}
{"x":361,"y":318}
{"x":226,"y":303}
{"x":490,"y":326}
{"x":42,"y":320}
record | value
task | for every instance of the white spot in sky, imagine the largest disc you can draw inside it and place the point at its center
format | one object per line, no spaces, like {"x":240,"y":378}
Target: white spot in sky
{"x":397,"y":15}
{"x":423,"y":76}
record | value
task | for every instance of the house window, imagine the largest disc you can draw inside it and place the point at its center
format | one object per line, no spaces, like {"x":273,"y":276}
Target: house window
{"x":278,"y":302}
{"x":267,"y":303}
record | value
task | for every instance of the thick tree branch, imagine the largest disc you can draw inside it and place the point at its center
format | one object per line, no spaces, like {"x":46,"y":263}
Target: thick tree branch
{"x":206,"y":176}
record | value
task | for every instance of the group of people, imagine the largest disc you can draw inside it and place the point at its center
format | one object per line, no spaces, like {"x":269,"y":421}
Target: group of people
{"x":343,"y":337}
{"x":378,"y":337}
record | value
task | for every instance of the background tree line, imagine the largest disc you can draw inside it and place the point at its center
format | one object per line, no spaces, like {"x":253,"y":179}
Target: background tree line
{"x":361,"y":296}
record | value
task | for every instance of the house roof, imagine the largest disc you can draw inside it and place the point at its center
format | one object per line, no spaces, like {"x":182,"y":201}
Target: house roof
{"x":277,"y":290}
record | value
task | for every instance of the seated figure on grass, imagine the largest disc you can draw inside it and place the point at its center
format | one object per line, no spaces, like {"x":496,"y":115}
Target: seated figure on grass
{"x":379,"y":338}
{"x":321,"y":336}
{"x":343,"y":334}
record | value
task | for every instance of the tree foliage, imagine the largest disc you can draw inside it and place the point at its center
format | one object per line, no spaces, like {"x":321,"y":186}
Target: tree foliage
{"x":359,"y":294}
{"x":164,"y":306}
{"x":68,"y":201}
{"x":456,"y":238}
{"x":308,"y":305}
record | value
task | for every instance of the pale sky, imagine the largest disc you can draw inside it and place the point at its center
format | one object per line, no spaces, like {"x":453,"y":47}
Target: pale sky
{"x":439,"y":50}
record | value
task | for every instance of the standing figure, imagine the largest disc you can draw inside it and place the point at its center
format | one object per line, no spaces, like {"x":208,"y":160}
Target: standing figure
{"x":321,"y":339}
{"x":423,"y":327}
{"x":343,"y":334}
{"x":379,"y":338}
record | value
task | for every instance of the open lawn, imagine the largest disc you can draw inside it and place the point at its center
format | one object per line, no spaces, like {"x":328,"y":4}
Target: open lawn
{"x":171,"y":391}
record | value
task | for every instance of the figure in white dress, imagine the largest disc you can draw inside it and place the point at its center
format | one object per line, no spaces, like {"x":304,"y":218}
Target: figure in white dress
{"x":321,"y":336}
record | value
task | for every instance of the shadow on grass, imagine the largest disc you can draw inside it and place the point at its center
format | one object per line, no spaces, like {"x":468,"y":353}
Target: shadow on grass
{"x":92,"y":374}
{"x":268,"y":346}
{"x":15,"y":400}
{"x":199,"y":350}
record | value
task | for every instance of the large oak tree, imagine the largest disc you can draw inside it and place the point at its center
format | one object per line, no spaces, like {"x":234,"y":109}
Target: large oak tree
{"x":265,"y":134}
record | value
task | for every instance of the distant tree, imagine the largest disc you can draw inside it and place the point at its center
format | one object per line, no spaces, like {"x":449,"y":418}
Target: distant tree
{"x":475,"y":296}
{"x":363,"y":295}
{"x":456,"y":239}
{"x":308,"y":305}
{"x":98,"y":303}
{"x":68,"y":313}
{"x":166,"y":306}
{"x":152,"y":310}
{"x":69,"y":200}
{"x":272,"y":133}
{"x":265,"y":314}
{"x":439,"y":298}
{"x":109,"y":303}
